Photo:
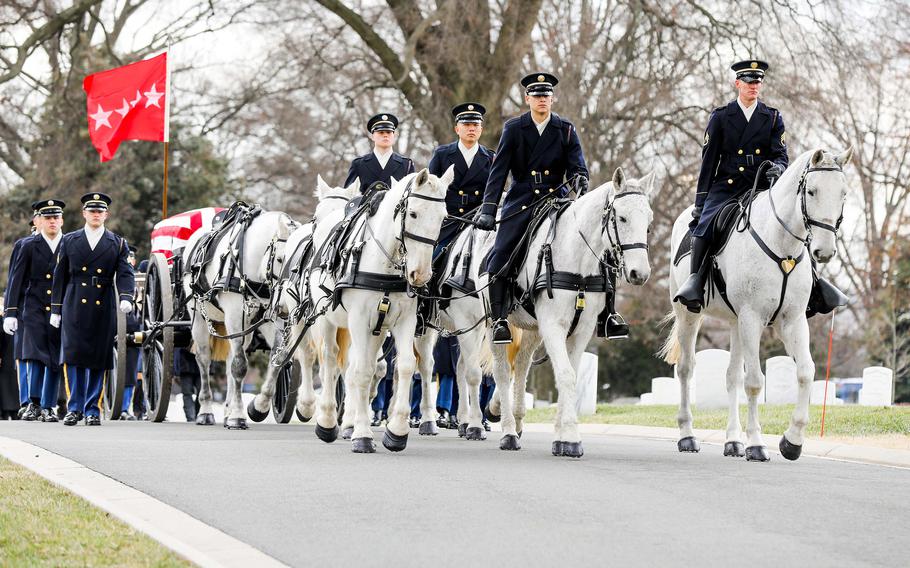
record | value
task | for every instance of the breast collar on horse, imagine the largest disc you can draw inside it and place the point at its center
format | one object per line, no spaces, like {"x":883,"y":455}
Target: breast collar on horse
{"x":377,"y":281}
{"x":784,"y":264}
{"x":612,"y":259}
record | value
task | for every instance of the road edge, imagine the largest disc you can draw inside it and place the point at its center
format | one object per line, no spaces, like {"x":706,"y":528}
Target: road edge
{"x":189,"y":537}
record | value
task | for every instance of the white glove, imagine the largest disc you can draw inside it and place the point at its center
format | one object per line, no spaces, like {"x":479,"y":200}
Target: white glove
{"x":126,"y":306}
{"x":10,"y":325}
{"x":55,"y":320}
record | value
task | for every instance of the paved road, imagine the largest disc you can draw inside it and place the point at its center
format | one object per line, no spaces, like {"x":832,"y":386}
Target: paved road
{"x":447,"y":501}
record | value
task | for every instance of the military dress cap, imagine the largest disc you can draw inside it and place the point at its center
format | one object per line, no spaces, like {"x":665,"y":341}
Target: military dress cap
{"x":132,"y":249}
{"x":96,"y":201}
{"x":469,"y":113}
{"x":539,"y":84}
{"x":48,"y":207}
{"x":750,"y":70}
{"x":383,"y":122}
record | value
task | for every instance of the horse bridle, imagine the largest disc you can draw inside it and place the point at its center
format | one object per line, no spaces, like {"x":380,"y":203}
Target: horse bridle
{"x":617,"y":247}
{"x":401,"y":210}
{"x":808,"y":221}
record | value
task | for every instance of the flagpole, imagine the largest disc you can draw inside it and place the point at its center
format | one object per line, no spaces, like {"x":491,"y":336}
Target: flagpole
{"x":167,"y":124}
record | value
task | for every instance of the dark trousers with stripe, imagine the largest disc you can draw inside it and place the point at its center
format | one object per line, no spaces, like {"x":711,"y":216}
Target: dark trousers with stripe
{"x":85,"y":390}
{"x":22,"y":373}
{"x":42,"y":383}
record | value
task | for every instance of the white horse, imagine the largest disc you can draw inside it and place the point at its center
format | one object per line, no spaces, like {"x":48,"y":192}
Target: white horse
{"x":329,"y":200}
{"x":608,"y":224}
{"x":809,"y":194}
{"x":394,"y":245}
{"x":257,"y":259}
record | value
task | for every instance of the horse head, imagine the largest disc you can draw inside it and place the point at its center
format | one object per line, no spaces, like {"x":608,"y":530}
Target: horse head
{"x":420,"y":213}
{"x":823,"y":190}
{"x":627,"y":223}
{"x":332,"y":198}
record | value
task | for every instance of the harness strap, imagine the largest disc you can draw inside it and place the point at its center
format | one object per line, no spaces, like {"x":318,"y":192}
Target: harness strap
{"x":383,"y":309}
{"x":785,"y":265}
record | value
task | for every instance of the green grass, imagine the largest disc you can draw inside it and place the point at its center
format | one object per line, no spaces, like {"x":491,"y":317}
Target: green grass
{"x":42,"y":524}
{"x":839,"y":420}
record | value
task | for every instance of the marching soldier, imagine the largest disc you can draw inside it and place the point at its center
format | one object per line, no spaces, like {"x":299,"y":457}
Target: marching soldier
{"x":90,"y":262}
{"x":540,"y":149}
{"x":382,"y":164}
{"x":29,"y":305}
{"x":21,"y":367}
{"x":739,"y":137}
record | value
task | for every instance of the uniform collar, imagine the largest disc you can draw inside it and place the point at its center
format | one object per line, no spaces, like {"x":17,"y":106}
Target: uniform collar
{"x":52,"y":242}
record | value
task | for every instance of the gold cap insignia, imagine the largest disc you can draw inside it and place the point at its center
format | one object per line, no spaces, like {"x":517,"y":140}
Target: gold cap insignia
{"x":96,"y":196}
{"x":51,"y":202}
{"x":755,"y":65}
{"x":470,"y":107}
{"x":541,"y":78}
{"x":385,"y":117}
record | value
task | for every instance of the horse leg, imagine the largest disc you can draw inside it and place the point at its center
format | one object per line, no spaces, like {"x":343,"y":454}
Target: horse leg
{"x":567,"y":441}
{"x":326,"y":413}
{"x":397,"y":428}
{"x":258,"y":408}
{"x":502,"y":373}
{"x":201,"y":338}
{"x":306,"y":396}
{"x":358,"y":381}
{"x":425,"y":363}
{"x":734,"y":445}
{"x":750,"y":330}
{"x":795,"y":335}
{"x":521,"y":364}
{"x":234,"y":418}
{"x":686,"y":332}
{"x":468,"y":378}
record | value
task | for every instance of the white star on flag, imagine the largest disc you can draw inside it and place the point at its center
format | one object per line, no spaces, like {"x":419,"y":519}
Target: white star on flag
{"x":100,"y":117}
{"x":138,"y":98}
{"x":152,"y":97}
{"x":124,"y":109}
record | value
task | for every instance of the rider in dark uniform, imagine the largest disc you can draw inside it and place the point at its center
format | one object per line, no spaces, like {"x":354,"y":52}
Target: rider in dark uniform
{"x":739,"y":137}
{"x":28,"y":306}
{"x":541,"y":150}
{"x":381,"y":165}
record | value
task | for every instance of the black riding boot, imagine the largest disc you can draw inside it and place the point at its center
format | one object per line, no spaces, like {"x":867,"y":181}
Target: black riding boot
{"x":499,"y":311}
{"x":824,"y":297}
{"x":610,"y":324}
{"x":692,"y":292}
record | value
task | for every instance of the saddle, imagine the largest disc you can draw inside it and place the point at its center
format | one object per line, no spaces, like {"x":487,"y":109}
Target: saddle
{"x":333,"y":257}
{"x":722,"y":225}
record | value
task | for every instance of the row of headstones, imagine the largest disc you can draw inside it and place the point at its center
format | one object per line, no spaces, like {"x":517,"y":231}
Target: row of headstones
{"x":709,"y":388}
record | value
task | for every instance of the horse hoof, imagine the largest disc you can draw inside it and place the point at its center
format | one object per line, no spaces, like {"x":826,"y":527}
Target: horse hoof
{"x":509,"y":443}
{"x":394,"y":442}
{"x":235,"y":424}
{"x":734,"y":449}
{"x":475,"y":433}
{"x":788,"y":450}
{"x":688,"y":444}
{"x":254,"y":414}
{"x":428,"y":429}
{"x":490,"y":416}
{"x":327,"y":435}
{"x":557,"y":448}
{"x":363,"y":446}
{"x":757,"y":454}
{"x":301,"y":417}
{"x":462,"y":429}
{"x":348,"y":433}
{"x":572,"y":449}
{"x":205,"y":419}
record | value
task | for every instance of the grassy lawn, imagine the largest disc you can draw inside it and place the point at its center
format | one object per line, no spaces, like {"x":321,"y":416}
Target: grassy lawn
{"x":839,"y":421}
{"x":42,"y":524}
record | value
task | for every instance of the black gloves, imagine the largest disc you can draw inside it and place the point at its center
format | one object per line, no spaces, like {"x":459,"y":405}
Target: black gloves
{"x":773,"y":172}
{"x":696,"y":217}
{"x":485,"y":222}
{"x":581,"y":185}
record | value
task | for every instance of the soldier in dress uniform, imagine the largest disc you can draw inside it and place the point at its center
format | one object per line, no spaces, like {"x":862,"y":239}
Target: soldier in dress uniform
{"x":540,"y":149}
{"x":739,"y":137}
{"x":28,"y":305}
{"x":90,"y":262}
{"x":382,"y":164}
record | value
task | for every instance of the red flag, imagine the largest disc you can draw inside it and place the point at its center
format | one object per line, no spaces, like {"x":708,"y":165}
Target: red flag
{"x":128,"y":103}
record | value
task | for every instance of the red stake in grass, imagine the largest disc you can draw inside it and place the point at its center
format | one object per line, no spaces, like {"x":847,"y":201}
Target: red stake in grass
{"x":827,"y":373}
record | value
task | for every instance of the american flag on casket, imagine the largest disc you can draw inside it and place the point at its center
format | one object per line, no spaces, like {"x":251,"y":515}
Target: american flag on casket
{"x":172,"y":233}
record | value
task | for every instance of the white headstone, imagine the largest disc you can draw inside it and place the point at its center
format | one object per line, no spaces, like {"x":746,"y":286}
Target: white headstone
{"x":780,"y":380}
{"x":876,"y":389}
{"x":711,"y":378}
{"x":529,"y":400}
{"x":586,"y":381}
{"x":665,"y":390}
{"x":818,"y":392}
{"x":647,"y":399}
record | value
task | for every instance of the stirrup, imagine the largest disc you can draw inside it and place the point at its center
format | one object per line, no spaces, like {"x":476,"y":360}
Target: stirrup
{"x":502,"y":335}
{"x":614,"y":326}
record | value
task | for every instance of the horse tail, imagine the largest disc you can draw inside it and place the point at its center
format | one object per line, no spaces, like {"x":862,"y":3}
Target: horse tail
{"x":669,"y":352}
{"x":486,"y":354}
{"x":343,"y":340}
{"x":218,"y":347}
